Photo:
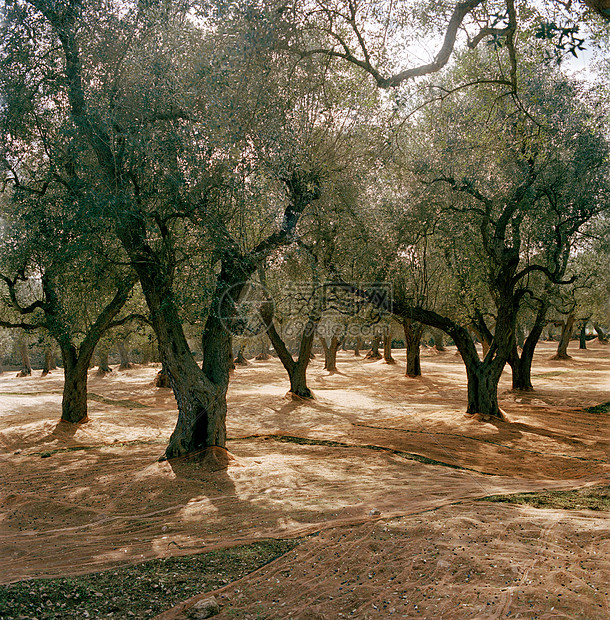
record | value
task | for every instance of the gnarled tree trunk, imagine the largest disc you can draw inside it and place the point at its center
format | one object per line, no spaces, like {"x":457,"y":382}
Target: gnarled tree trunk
{"x":521,"y":365}
{"x":413,"y":332}
{"x":125,"y":362}
{"x":374,"y":354}
{"x":567,"y":329}
{"x":26,"y":366}
{"x":357,"y":347}
{"x":296,"y":369}
{"x":74,"y":401}
{"x":49,"y":362}
{"x":76,"y":360}
{"x":103,"y":366}
{"x":330,"y":353}
{"x":387,"y":349}
{"x":240,"y":359}
{"x":582,"y":335}
{"x":601,"y":334}
{"x":439,"y":340}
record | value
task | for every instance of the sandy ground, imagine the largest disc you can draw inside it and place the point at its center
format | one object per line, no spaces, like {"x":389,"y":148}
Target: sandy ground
{"x":389,"y":536}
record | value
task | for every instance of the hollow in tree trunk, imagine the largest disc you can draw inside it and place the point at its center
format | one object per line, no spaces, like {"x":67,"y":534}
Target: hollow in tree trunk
{"x":26,"y":366}
{"x":387,"y":349}
{"x":413,"y":332}
{"x":567,"y":328}
{"x":374,"y":354}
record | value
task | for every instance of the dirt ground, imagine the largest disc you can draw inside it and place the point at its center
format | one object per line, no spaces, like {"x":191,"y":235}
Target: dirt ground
{"x":391,"y":536}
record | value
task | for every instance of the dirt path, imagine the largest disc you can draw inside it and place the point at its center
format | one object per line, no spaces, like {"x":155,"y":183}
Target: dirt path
{"x":79,"y":500}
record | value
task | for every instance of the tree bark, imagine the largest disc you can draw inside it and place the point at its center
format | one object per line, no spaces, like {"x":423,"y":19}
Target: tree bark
{"x":374,"y":354}
{"x":124,"y":356}
{"x":103,"y":367}
{"x":601,"y":334}
{"x":49,"y":363}
{"x":26,"y":366}
{"x":296,"y":369}
{"x":74,"y":400}
{"x":357,"y":347}
{"x":241,"y":360}
{"x":567,"y":329}
{"x":483,"y":382}
{"x":330,"y":353}
{"x":521,"y":366}
{"x":75,"y":359}
{"x":439,"y":340}
{"x":387,"y":349}
{"x":582,"y":335}
{"x":413,"y":332}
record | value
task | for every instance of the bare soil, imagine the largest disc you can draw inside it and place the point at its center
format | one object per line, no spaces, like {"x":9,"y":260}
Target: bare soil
{"x":381,"y":469}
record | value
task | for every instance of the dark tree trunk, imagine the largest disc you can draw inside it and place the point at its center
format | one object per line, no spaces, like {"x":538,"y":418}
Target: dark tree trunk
{"x":387,"y":349}
{"x":601,"y":334}
{"x":103,"y":367}
{"x":358,"y":347}
{"x":567,"y":329}
{"x":76,"y":361}
{"x":413,"y":332}
{"x":439,"y":340}
{"x":483,"y":382}
{"x":582,"y":335}
{"x":521,"y":366}
{"x":296,"y":369}
{"x":74,"y":401}
{"x":374,"y":354}
{"x":124,"y":356}
{"x":330,"y":353}
{"x":200,"y":392}
{"x":26,"y":366}
{"x":49,"y":362}
{"x":483,"y":376}
{"x":241,"y":360}
{"x":200,"y":400}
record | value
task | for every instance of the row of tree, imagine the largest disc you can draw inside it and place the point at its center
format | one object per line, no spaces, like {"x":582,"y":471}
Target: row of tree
{"x":160,"y":157}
